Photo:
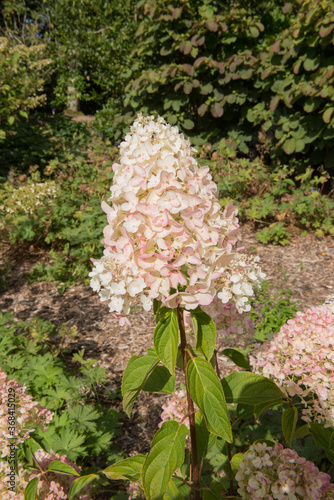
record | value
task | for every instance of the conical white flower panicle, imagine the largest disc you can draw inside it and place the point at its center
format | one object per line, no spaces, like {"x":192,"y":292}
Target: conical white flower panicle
{"x":167,"y":237}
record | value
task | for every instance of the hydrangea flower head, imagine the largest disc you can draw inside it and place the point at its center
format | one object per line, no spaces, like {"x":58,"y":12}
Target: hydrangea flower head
{"x":134,"y":491}
{"x":176,"y":409}
{"x":28,"y":414}
{"x":51,"y":486}
{"x":267,"y":473}
{"x":300,"y":359}
{"x":167,"y":237}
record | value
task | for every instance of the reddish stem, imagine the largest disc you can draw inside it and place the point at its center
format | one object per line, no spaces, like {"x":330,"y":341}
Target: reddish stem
{"x":191,"y":410}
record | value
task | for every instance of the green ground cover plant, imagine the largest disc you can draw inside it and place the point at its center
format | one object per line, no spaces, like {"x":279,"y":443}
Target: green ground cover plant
{"x":35,"y":353}
{"x":38,"y":355}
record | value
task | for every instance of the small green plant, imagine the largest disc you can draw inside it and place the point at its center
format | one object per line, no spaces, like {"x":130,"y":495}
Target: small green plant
{"x":61,"y":213}
{"x":35,"y":353}
{"x":271,"y":309}
{"x":276,"y":234}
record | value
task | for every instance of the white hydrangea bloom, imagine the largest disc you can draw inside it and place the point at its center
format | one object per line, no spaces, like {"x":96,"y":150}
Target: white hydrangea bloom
{"x":167,"y":237}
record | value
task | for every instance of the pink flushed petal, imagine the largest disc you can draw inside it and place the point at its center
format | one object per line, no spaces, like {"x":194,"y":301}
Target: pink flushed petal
{"x":130,"y":240}
{"x":148,"y":210}
{"x":172,"y":301}
{"x":105,"y":207}
{"x":122,"y":321}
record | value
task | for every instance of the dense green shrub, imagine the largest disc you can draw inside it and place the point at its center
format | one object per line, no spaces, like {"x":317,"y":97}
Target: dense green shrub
{"x":23,"y":71}
{"x":194,"y":63}
{"x":255,"y":75}
{"x":295,"y":77}
{"x":90,"y":42}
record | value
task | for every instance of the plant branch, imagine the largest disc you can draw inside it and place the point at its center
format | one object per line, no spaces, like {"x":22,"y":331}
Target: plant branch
{"x":44,"y":473}
{"x":183,"y":480}
{"x":191,"y":411}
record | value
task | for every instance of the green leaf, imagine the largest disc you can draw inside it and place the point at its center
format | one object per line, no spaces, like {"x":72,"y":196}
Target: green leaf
{"x":215,"y":491}
{"x":59,"y":466}
{"x":327,"y":115}
{"x":202,"y":435}
{"x":205,"y":333}
{"x":80,"y":483}
{"x":202,"y":109}
{"x":42,"y":442}
{"x":23,"y":113}
{"x":324,"y":437}
{"x":236,"y":460}
{"x":206,"y":89}
{"x":238,"y":357}
{"x":254,"y":31}
{"x":301,"y":432}
{"x":250,"y":388}
{"x":188,"y":124}
{"x":217,"y":110}
{"x":207,"y":393}
{"x":177,"y":491}
{"x":289,"y":422}
{"x":166,"y":340}
{"x":156,"y":306}
{"x":300,"y":144}
{"x":163,"y":310}
{"x":30,"y":490}
{"x":172,"y":119}
{"x":311,"y":64}
{"x":289,"y":146}
{"x":262,"y":407}
{"x":69,"y":443}
{"x":134,"y":378}
{"x":172,"y":492}
{"x":325,"y":30}
{"x":160,"y":380}
{"x":11,"y":120}
{"x":165,"y":457}
{"x":130,"y":468}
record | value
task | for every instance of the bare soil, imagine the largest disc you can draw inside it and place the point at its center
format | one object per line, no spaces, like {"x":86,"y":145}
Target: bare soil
{"x":306,"y":266}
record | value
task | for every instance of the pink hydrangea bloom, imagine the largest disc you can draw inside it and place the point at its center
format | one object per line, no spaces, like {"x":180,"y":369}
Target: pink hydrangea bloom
{"x":267,"y":473}
{"x":21,"y":481}
{"x":28,"y":414}
{"x":176,"y":409}
{"x":133,"y":491}
{"x":55,"y":486}
{"x":166,"y":228}
{"x":51,"y":486}
{"x":300,"y":359}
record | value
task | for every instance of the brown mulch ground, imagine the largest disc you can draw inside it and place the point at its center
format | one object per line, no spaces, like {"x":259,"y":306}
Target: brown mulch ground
{"x":306,"y":266}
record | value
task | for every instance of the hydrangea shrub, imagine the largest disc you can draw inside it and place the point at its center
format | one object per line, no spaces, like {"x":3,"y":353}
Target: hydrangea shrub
{"x":40,"y":474}
{"x":170,"y":246}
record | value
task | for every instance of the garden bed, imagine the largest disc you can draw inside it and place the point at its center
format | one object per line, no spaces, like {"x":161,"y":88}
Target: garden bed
{"x":306,"y":266}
